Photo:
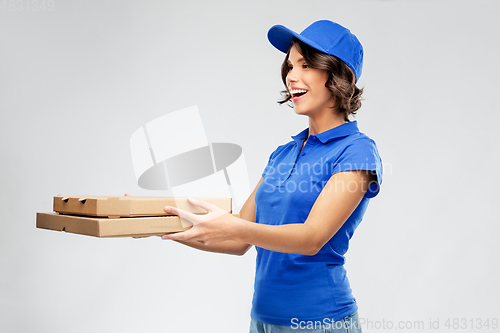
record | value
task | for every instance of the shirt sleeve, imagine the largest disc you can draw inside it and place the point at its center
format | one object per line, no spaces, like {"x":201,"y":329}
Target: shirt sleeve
{"x":269,"y":162}
{"x":361,"y":154}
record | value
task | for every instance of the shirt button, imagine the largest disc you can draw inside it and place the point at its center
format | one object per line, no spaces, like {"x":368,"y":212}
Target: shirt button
{"x":303,"y":154}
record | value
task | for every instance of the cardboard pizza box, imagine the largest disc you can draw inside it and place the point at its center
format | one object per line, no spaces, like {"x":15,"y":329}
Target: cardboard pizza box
{"x":106,"y":227}
{"x":129,"y":206}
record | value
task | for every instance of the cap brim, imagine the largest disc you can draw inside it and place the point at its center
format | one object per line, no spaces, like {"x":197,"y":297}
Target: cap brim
{"x":281,"y":38}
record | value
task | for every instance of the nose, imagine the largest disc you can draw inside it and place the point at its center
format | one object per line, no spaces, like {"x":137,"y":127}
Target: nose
{"x":291,"y":76}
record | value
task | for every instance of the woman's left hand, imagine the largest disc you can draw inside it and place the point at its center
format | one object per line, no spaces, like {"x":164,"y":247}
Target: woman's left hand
{"x":215,"y":226}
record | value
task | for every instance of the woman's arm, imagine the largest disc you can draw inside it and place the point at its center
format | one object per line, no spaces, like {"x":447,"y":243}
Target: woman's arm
{"x":336,"y":202}
{"x":247,"y":213}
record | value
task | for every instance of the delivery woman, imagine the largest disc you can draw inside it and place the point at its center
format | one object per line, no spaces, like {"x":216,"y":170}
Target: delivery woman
{"x":312,"y":195}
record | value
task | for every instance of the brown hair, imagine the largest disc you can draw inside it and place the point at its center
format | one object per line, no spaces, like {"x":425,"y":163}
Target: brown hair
{"x":341,"y":79}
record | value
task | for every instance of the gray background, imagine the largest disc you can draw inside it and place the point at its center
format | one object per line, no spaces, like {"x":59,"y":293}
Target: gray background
{"x":76,"y":82}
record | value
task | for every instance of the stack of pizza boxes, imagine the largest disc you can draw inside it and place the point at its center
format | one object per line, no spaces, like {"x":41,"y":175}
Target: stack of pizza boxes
{"x":124,"y":216}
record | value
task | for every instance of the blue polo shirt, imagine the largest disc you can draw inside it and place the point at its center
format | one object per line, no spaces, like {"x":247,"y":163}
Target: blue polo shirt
{"x":300,"y":287}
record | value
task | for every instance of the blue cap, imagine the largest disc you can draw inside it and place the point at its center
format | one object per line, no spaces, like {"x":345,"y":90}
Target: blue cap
{"x":326,"y":36}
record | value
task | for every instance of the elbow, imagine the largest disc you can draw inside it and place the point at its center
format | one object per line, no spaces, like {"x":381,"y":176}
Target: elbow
{"x":238,"y":253}
{"x":311,"y":249}
{"x":311,"y":253}
{"x":313,"y":245}
{"x":241,"y":251}
{"x":312,"y":242}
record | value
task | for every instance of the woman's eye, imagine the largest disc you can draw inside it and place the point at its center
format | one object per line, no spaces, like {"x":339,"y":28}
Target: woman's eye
{"x":305,"y":66}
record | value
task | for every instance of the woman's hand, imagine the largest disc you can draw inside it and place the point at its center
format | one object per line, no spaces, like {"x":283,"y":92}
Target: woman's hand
{"x":215,"y":226}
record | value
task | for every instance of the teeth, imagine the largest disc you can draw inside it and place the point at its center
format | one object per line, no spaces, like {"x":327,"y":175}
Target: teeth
{"x":297,"y":91}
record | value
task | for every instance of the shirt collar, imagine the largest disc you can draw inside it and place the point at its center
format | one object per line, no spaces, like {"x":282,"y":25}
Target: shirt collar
{"x":299,"y":138}
{"x":332,"y":134}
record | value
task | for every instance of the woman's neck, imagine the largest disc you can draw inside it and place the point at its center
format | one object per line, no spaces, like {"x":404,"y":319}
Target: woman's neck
{"x":324,"y":122}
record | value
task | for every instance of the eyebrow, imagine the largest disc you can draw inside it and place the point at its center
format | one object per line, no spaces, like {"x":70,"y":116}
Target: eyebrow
{"x":300,"y":60}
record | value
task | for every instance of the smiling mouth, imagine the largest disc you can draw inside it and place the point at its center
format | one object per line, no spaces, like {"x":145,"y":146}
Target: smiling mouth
{"x":296,"y":93}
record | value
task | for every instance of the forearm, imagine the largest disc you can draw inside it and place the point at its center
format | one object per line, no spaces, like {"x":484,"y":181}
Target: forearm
{"x":322,"y":223}
{"x":306,"y":238}
{"x":296,"y":238}
{"x":227,"y":247}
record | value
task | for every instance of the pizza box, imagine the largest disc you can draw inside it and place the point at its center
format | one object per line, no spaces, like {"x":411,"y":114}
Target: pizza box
{"x":116,"y":227}
{"x":129,"y":206}
{"x":110,"y":227}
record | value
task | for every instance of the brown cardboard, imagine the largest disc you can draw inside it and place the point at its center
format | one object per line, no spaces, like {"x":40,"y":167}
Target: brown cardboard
{"x":129,"y":206}
{"x":106,"y":227}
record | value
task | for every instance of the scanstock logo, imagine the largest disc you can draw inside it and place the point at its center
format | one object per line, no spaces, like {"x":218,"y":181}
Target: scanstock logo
{"x":172,"y":153}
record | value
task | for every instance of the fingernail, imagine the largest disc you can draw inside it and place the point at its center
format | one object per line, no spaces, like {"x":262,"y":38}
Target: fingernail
{"x":167,"y":209}
{"x":164,"y":237}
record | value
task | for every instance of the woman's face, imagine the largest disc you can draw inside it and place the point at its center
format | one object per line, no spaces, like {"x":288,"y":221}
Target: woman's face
{"x":307,"y":86}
